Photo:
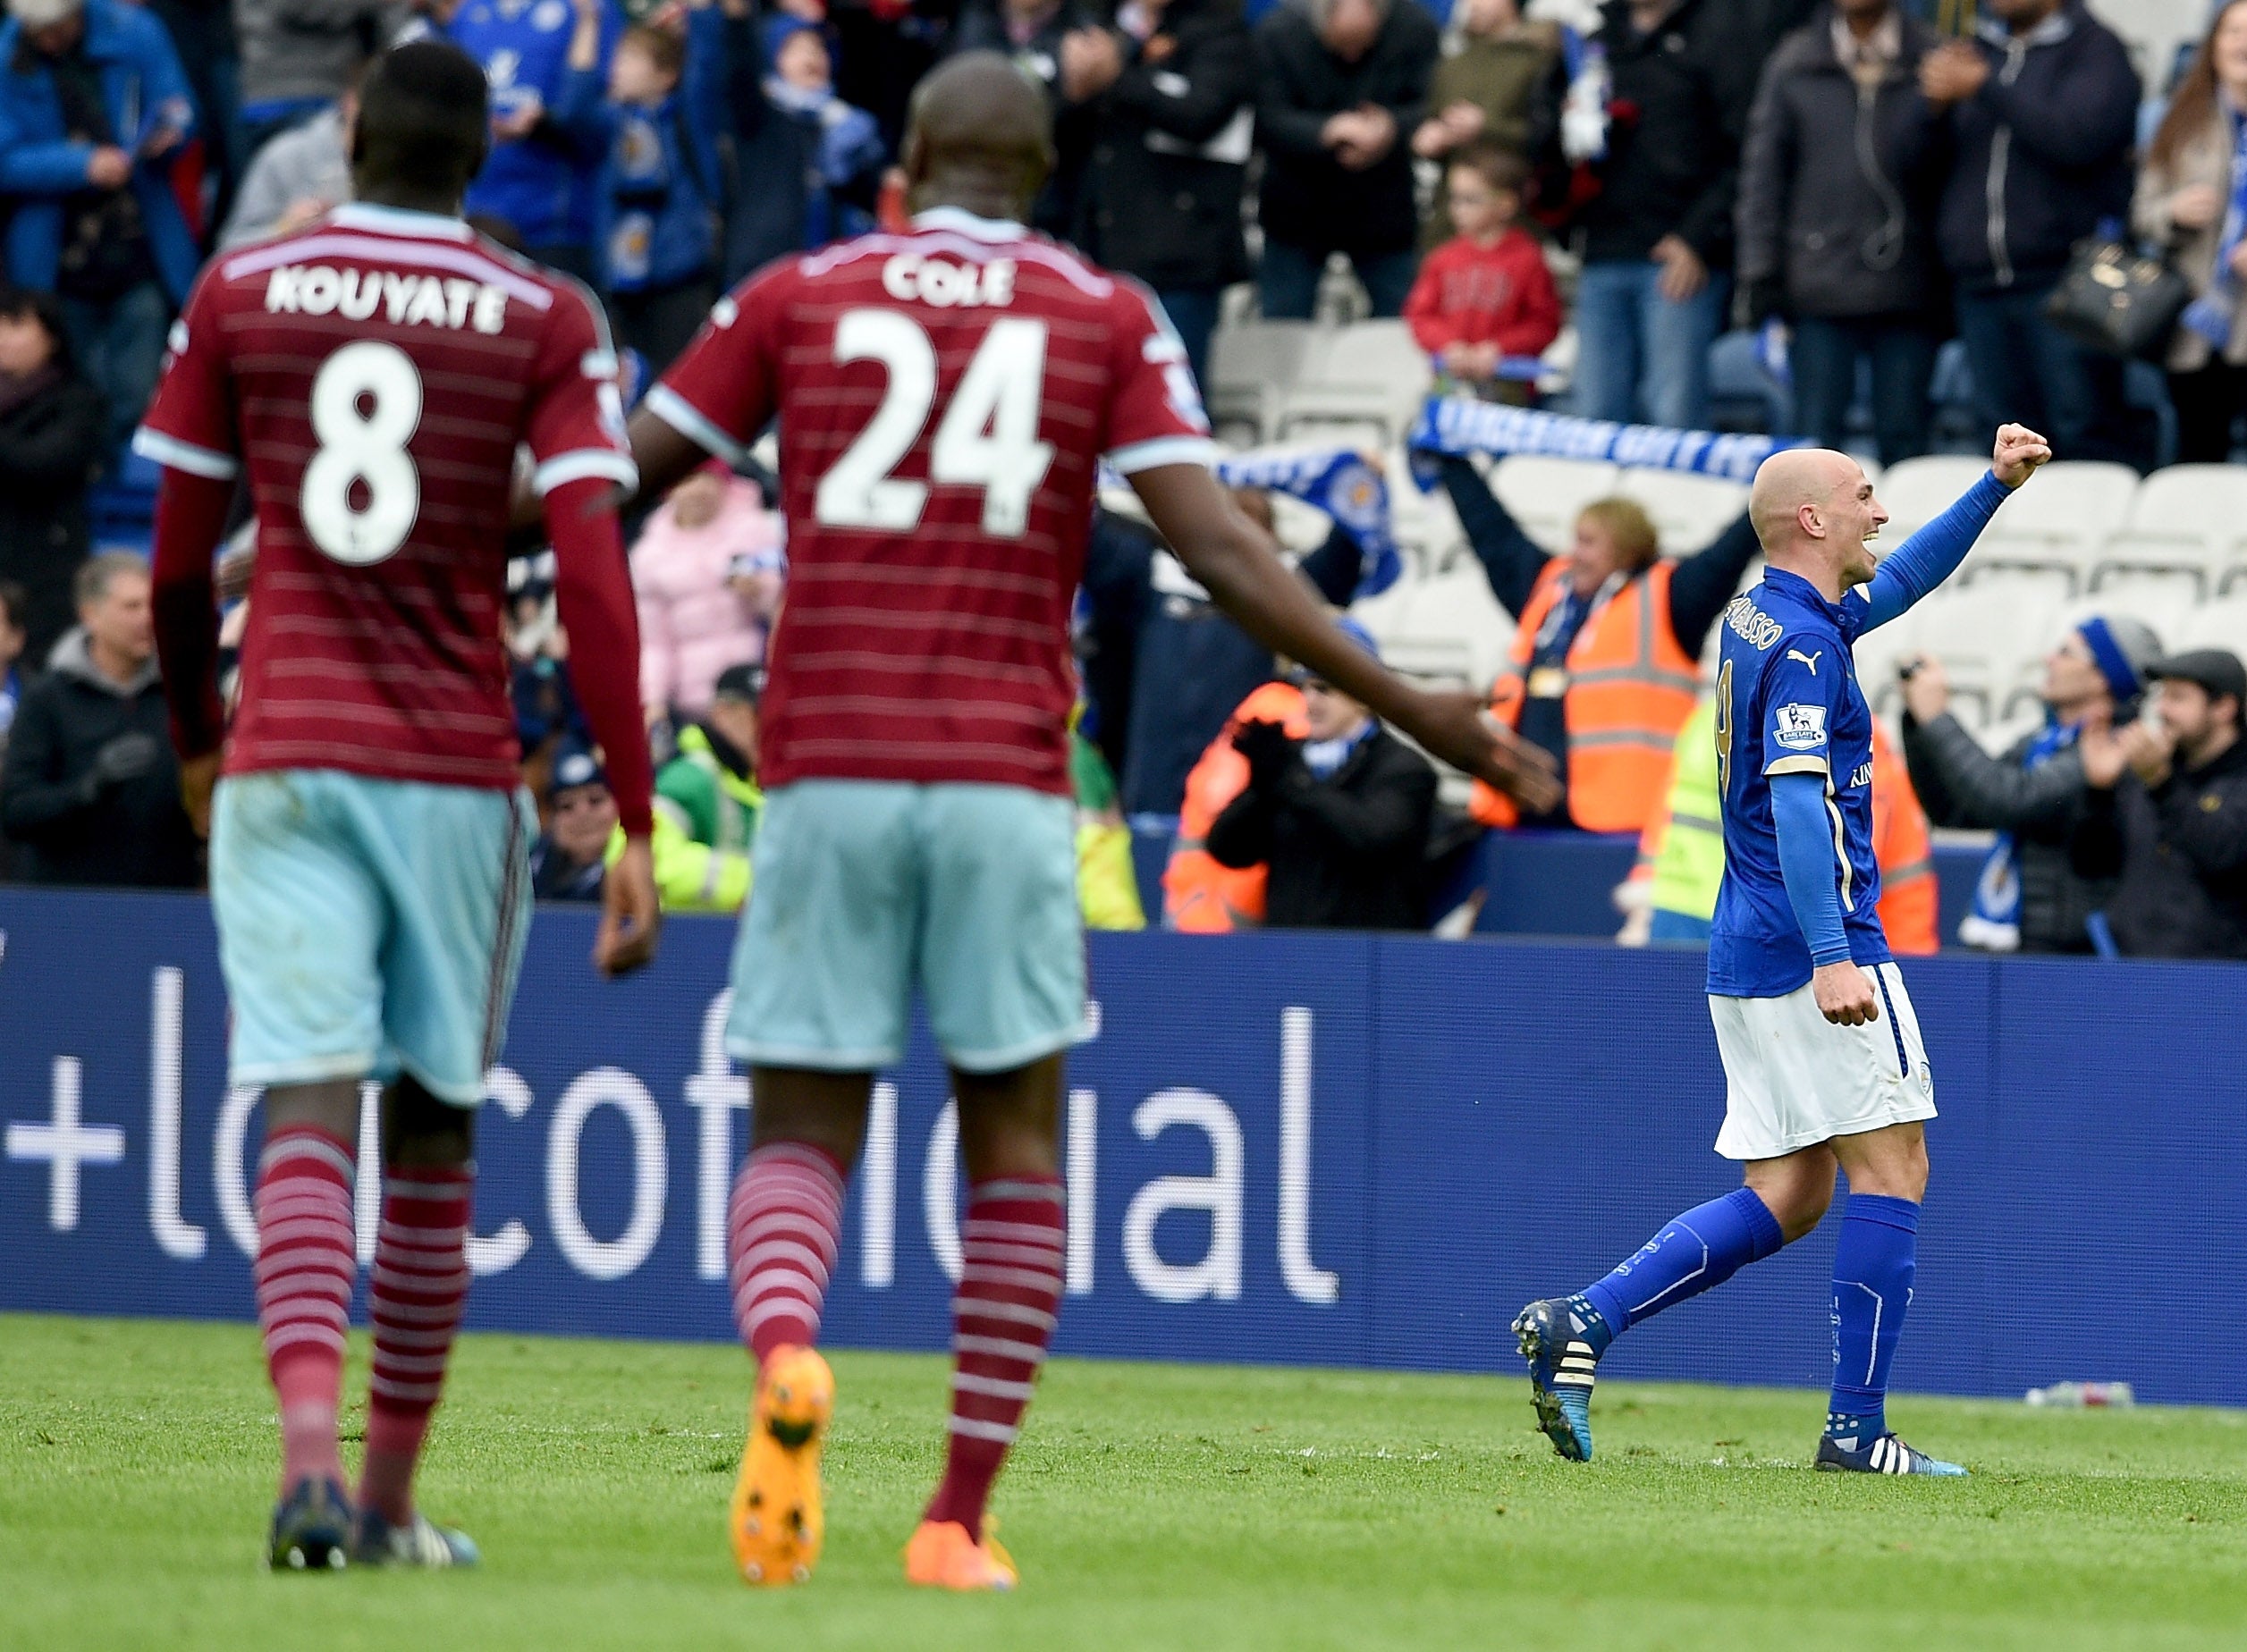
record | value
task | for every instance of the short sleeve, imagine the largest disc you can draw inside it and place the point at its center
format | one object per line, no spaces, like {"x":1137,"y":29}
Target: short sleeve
{"x":576,"y":429}
{"x":189,"y":426}
{"x":1156,"y":417}
{"x":725,"y":388}
{"x":1799,"y":695}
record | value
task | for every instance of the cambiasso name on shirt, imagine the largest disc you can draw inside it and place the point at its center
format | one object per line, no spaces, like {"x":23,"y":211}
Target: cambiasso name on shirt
{"x":404,"y":300}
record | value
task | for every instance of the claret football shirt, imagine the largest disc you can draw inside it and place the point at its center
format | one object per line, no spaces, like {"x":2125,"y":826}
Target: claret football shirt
{"x":944,"y":397}
{"x":374,"y":374}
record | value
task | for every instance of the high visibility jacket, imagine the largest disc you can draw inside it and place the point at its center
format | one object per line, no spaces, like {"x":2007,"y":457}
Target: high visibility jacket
{"x":1682,"y":849}
{"x":1630,"y":689}
{"x":705,"y":818}
{"x":1198,"y":895}
{"x":1910,"y":897}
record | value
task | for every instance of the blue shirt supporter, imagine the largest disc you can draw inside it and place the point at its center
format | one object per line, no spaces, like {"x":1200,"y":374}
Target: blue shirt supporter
{"x":1795,"y":764}
{"x":150,"y":110}
{"x":657,"y":198}
{"x":541,"y":182}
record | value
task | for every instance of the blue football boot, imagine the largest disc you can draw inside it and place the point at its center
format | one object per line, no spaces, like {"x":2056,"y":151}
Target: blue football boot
{"x":311,"y":1528}
{"x":1561,"y":1366}
{"x":1885,"y":1454}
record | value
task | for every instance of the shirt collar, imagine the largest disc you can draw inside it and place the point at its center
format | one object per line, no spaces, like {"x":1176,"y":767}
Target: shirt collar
{"x":1878,"y":49}
{"x":399,"y":221}
{"x":961,"y":221}
{"x":1793,"y":584}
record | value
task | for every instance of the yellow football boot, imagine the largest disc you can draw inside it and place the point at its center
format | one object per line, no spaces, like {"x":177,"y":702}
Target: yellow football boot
{"x":943,"y":1556}
{"x":777,"y":1520}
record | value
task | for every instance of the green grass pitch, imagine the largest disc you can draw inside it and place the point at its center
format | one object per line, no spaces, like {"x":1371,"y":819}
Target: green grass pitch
{"x":1158,"y":1506}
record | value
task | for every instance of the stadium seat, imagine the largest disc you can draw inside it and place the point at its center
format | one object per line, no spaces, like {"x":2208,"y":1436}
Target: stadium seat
{"x":2195,"y":564}
{"x":1916,"y":491}
{"x":1445,"y":629}
{"x":2190,"y":518}
{"x":1427,"y":528}
{"x":2215,"y":625}
{"x":1251,"y":366}
{"x":1688,"y":510}
{"x":1546,"y":495}
{"x":1370,"y":376}
{"x":2062,"y":520}
{"x":1983,"y":635}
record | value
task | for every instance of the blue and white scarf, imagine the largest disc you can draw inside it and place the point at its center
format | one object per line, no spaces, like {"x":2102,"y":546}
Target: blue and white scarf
{"x":2211,"y":314}
{"x":1994,"y":923}
{"x":1340,"y":482}
{"x":1460,"y":425}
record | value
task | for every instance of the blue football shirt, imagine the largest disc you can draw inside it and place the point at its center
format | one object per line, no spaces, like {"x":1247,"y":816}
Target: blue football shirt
{"x":1787,"y":701}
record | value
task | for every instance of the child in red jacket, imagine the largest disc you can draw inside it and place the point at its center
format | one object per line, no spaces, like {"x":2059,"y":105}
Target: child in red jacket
{"x":1485,"y":294}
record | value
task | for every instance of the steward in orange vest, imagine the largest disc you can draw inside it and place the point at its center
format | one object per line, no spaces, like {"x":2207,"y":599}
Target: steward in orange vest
{"x":1911,"y":900}
{"x":1605,"y":665}
{"x":1199,"y":896}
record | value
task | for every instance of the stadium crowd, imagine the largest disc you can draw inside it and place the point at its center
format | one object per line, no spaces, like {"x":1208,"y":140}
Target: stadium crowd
{"x":1851,"y":182}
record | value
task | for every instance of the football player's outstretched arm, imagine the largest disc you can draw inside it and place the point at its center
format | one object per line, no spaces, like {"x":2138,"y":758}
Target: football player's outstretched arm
{"x":1240,"y":566}
{"x":1933,"y":554}
{"x":190,"y":520}
{"x":594,"y":592}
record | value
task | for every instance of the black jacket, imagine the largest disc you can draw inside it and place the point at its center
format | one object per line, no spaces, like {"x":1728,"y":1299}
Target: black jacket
{"x":50,"y":446}
{"x":74,"y":824}
{"x":2042,"y":152}
{"x":981,"y":27}
{"x":1348,"y":852}
{"x":1679,"y":109}
{"x":1160,"y":194}
{"x":770,"y":158}
{"x":2181,"y":850}
{"x":1961,"y":786}
{"x":1310,"y":199}
{"x":1837,"y":191}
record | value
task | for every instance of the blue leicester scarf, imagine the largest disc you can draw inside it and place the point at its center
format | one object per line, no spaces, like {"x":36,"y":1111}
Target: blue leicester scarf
{"x":1461,"y":425}
{"x":1340,"y":482}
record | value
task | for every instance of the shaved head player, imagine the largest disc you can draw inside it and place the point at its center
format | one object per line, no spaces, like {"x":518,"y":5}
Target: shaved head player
{"x":1824,"y":1062}
{"x":374,"y":375}
{"x":944,"y":396}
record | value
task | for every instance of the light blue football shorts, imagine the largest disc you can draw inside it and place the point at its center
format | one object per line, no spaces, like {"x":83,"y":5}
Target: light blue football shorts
{"x":865,"y":888}
{"x":369,"y":928}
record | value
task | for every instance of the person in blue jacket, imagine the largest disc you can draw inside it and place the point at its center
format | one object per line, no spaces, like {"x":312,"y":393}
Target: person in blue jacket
{"x":655,"y":206}
{"x":93,"y":109}
{"x":544,"y":165}
{"x":843,"y":144}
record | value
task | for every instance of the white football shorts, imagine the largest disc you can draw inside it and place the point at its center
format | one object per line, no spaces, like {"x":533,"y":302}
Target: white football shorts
{"x":1794,"y":1079}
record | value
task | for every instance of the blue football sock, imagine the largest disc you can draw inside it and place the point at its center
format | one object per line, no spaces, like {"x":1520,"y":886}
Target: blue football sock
{"x":1697,"y":1251}
{"x":1873,"y":1265}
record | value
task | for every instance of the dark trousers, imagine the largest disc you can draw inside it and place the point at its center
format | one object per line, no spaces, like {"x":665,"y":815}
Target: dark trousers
{"x":661,"y":321}
{"x":2208,"y":403}
{"x":1825,"y":356}
{"x":1193,"y":313}
{"x":1288,"y":282}
{"x":2027,"y":372}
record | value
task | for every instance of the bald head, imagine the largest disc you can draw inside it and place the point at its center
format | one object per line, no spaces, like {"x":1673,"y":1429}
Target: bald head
{"x":1814,"y":510}
{"x":980,"y":136}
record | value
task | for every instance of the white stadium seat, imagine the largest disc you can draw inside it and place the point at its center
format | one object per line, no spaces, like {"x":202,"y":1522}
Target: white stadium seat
{"x":1371,"y":375}
{"x":2215,"y":625}
{"x":1445,"y":628}
{"x":2062,"y":520}
{"x":1546,"y":495}
{"x":1251,"y":366}
{"x":2191,"y":519}
{"x":1688,"y":510}
{"x":1916,"y":491}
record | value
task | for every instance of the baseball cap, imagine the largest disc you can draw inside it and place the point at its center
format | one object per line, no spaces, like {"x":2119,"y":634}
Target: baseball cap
{"x":575,"y":766}
{"x":2216,"y":670}
{"x":740,"y":682}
